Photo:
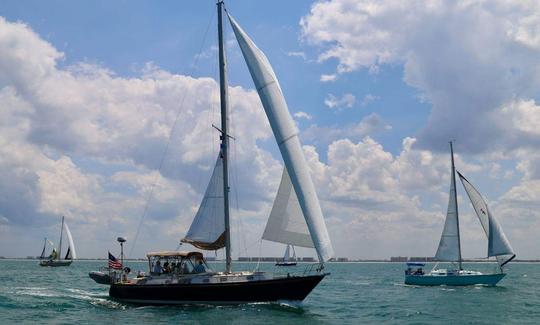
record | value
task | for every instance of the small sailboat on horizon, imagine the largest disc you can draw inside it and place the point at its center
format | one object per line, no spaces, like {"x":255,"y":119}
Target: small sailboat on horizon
{"x":287,"y":259}
{"x":449,"y":249}
{"x":55,"y":258}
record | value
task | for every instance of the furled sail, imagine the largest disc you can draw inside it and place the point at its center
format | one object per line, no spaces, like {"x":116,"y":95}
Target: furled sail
{"x":498,"y":244}
{"x":286,"y":223}
{"x":287,"y":138}
{"x":449,"y":247}
{"x":208,"y":228}
{"x":71,"y":253}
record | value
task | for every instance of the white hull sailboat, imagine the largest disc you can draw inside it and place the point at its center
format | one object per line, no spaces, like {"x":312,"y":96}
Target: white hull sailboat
{"x":450,"y":246}
{"x":184,"y":277}
{"x":55,"y":258}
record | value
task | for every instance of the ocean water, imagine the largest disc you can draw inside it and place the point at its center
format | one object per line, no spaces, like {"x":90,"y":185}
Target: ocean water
{"x":354,"y":293}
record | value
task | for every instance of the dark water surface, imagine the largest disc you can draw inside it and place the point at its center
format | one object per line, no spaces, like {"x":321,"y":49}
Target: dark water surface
{"x":355,"y":293}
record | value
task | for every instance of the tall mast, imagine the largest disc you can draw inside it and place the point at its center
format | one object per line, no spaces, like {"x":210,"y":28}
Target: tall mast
{"x":455,"y":200}
{"x":60,"y":245}
{"x":224,"y":135}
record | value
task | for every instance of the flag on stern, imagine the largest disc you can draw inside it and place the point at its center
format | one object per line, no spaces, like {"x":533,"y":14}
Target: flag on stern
{"x":114,"y":263}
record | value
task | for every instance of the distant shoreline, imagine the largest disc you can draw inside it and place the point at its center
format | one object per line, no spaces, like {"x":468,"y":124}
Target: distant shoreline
{"x":266,"y":262}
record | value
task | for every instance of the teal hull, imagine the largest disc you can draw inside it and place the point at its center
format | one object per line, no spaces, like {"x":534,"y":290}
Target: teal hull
{"x":454,"y":280}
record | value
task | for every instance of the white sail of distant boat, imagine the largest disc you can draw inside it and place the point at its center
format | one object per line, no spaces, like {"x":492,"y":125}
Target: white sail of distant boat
{"x":286,"y":223}
{"x":207,"y":230}
{"x":286,"y":136}
{"x":71,"y":252}
{"x":498,"y":245}
{"x":287,"y":256}
{"x":449,"y":249}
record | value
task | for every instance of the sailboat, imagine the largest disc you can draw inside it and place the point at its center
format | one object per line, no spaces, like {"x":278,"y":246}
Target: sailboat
{"x":287,"y":259}
{"x":55,"y":258}
{"x":184,"y":277}
{"x":450,"y":245}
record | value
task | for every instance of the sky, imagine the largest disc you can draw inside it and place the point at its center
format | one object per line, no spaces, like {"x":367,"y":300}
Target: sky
{"x":106,"y":113}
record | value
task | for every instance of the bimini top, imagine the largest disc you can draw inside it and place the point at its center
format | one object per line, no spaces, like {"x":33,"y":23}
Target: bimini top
{"x":173,"y":254}
{"x":415,"y":264}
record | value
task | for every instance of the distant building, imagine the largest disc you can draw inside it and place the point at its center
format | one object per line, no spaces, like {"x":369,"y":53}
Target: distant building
{"x":342,"y":259}
{"x":398,"y":259}
{"x":308,"y":259}
{"x":421,"y":259}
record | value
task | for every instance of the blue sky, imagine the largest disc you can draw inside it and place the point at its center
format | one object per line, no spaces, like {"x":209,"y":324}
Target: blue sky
{"x":382,"y":88}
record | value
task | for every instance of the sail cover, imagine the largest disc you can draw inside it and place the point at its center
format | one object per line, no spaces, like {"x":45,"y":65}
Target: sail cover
{"x":286,"y":223}
{"x":208,"y":228}
{"x":449,"y":248}
{"x":71,"y":254}
{"x":498,"y":244}
{"x":286,"y":136}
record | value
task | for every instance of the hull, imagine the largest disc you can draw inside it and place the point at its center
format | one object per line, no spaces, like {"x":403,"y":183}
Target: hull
{"x":287,"y":288}
{"x":55,"y":263}
{"x":100,"y":277}
{"x":454,"y":280}
{"x":285,"y":263}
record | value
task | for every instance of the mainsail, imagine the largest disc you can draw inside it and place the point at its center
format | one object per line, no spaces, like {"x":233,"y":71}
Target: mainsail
{"x":286,"y":223}
{"x":71,"y":253}
{"x":286,"y":136}
{"x":208,"y":228}
{"x":498,"y":244}
{"x":449,"y":247}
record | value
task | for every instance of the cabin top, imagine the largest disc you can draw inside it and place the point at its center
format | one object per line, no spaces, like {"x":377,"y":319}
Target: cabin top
{"x":174,"y":254}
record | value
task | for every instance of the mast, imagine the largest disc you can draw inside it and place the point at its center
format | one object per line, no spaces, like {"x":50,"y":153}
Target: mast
{"x":455,"y":200}
{"x":224,"y":135}
{"x":60,"y":245}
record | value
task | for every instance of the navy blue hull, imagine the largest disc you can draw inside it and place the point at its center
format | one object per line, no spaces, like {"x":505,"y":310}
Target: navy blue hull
{"x":288,"y":288}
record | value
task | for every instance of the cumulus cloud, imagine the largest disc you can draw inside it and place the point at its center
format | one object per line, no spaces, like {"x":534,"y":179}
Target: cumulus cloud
{"x":345,"y":101}
{"x":303,"y":115}
{"x":469,"y":73}
{"x":328,"y":77}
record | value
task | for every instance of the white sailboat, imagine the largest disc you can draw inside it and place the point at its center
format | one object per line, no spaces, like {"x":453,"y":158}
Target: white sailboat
{"x":55,"y":258}
{"x":449,"y":249}
{"x":287,"y":259}
{"x":191,"y":281}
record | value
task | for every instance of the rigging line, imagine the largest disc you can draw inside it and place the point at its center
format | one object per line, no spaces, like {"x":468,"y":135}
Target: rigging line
{"x":171,"y":133}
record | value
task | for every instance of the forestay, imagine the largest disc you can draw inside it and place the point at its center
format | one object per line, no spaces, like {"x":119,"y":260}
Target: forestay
{"x":286,"y":223}
{"x":449,"y":247}
{"x":208,"y":228}
{"x":498,"y":244}
{"x":286,"y":136}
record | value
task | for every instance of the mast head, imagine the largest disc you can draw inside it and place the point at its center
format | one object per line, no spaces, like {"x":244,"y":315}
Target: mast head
{"x":121,"y":239}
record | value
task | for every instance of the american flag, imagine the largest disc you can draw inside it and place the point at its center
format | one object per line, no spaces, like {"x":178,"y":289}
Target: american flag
{"x":114,"y":263}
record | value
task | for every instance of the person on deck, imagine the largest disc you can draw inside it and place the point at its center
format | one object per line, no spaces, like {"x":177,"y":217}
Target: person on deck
{"x":200,"y":267}
{"x":157,"y":268}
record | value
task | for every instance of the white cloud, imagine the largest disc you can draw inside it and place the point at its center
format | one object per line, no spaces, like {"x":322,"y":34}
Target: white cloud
{"x":345,"y":101}
{"x":328,"y":77}
{"x":297,"y":54}
{"x":303,"y":115}
{"x":467,"y":72}
{"x":367,"y":99}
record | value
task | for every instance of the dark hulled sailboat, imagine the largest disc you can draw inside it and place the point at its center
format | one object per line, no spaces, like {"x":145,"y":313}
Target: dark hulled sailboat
{"x":186,"y":278}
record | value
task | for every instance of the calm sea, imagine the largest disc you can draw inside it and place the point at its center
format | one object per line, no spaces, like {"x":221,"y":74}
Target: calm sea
{"x":354,"y":293}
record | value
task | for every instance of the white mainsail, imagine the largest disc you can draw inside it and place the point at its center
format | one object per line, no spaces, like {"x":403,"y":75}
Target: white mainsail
{"x":72,"y":254}
{"x":286,"y":223}
{"x":498,"y":244}
{"x":286,"y":256}
{"x":449,"y":247}
{"x":286,"y":136}
{"x":207,"y":230}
